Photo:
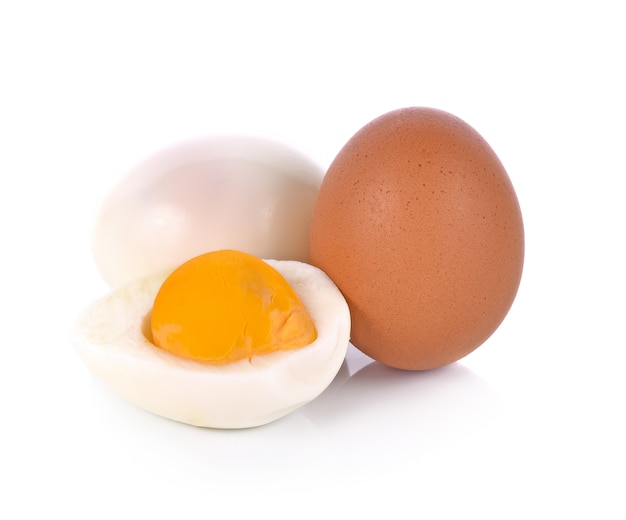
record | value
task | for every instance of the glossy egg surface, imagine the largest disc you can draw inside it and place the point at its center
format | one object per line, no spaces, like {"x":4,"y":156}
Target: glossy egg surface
{"x":239,"y":192}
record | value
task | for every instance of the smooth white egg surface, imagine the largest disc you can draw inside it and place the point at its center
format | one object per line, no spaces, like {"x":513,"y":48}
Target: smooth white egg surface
{"x":112,"y":337}
{"x":219,"y":192}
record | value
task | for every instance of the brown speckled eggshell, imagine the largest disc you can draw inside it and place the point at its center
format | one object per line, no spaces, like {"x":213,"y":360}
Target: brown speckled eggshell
{"x":418,"y":224}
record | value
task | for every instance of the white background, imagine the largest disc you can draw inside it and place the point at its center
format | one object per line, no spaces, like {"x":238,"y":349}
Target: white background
{"x":531,"y":425}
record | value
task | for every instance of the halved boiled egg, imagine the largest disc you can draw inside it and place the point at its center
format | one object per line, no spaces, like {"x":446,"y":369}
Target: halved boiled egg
{"x":226,"y":340}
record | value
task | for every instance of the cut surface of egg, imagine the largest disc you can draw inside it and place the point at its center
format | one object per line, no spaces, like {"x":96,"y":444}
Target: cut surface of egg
{"x":114,"y":337}
{"x":224,"y":306}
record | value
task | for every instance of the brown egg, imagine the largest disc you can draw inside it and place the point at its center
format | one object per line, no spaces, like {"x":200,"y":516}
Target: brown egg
{"x":418,"y":224}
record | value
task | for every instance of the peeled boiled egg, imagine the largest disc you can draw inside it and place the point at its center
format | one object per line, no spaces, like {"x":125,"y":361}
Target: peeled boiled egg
{"x":418,"y":224}
{"x":226,"y":340}
{"x":219,"y":192}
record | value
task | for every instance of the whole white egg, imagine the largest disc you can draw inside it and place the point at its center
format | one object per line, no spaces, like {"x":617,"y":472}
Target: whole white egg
{"x":114,"y":340}
{"x":218,"y":192}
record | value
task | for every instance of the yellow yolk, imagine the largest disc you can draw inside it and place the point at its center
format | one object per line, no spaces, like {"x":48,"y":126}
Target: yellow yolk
{"x":224,"y":306}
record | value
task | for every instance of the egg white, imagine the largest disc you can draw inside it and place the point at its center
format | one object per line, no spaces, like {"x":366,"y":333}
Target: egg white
{"x":216,"y":192}
{"x":113,"y":339}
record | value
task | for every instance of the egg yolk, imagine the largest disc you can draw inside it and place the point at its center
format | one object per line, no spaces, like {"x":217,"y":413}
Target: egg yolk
{"x":224,"y":306}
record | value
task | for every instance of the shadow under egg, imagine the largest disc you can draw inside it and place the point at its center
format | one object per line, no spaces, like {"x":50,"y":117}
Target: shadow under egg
{"x":388,"y":400}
